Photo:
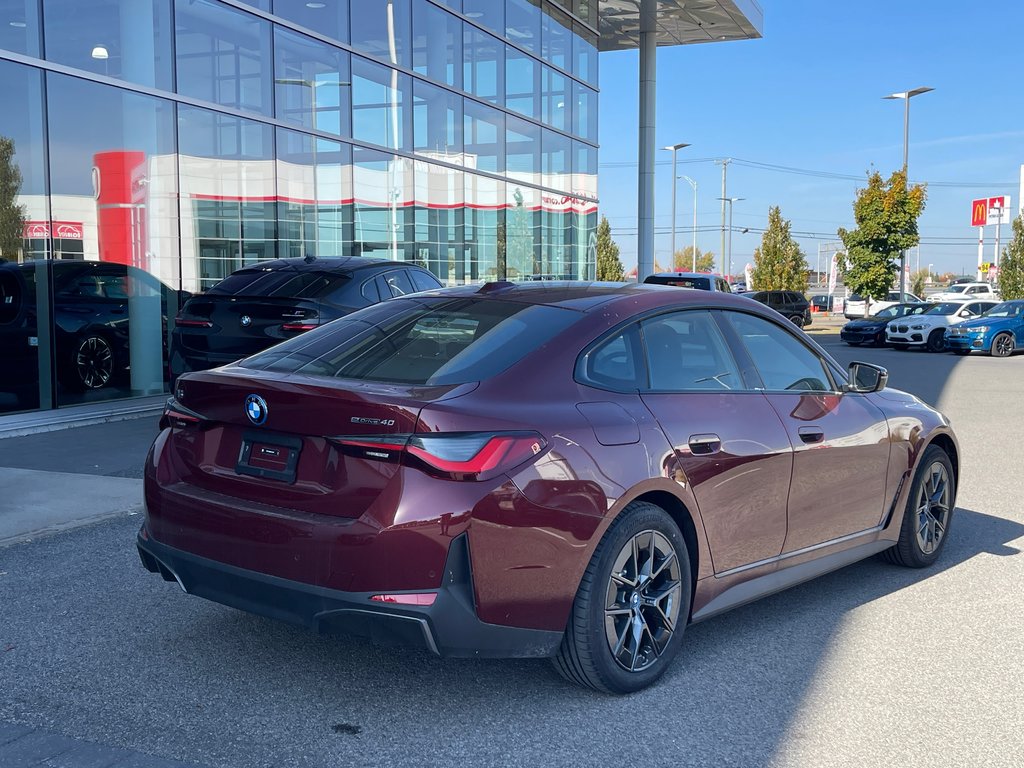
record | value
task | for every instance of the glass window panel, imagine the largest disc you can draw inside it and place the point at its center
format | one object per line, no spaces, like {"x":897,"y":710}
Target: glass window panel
{"x":112,"y":161}
{"x":487,"y":13}
{"x":382,"y":29}
{"x":126,"y":39}
{"x":296,"y":195}
{"x":263,"y":5}
{"x":584,"y":45}
{"x":584,"y":113}
{"x":226,"y":173}
{"x":484,"y":252}
{"x":437,"y":44}
{"x":557,"y":100}
{"x":384,"y":224}
{"x":556,"y":238}
{"x":556,"y":161}
{"x":19,"y":26}
{"x":223,"y":56}
{"x":484,"y":66}
{"x":522,"y":238}
{"x":587,"y":10}
{"x":380,"y":103}
{"x":485,"y":137}
{"x":437,"y":123}
{"x":26,"y":227}
{"x":686,"y":351}
{"x":584,"y":169}
{"x":522,"y":83}
{"x":334,"y":222}
{"x":522,"y":150}
{"x":440,"y":195}
{"x":328,"y":17}
{"x":584,"y":220}
{"x":455,"y":5}
{"x":782,"y":361}
{"x":556,"y":38}
{"x":313,"y":83}
{"x":523,"y":23}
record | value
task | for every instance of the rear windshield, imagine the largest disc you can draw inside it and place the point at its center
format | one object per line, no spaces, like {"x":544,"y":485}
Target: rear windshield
{"x":700,"y":283}
{"x":285,"y":283}
{"x":427,"y":341}
{"x":946,"y":308}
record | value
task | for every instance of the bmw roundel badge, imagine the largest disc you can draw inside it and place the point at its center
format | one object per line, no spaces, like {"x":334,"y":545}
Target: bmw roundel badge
{"x":245,"y":320}
{"x":256,"y":409}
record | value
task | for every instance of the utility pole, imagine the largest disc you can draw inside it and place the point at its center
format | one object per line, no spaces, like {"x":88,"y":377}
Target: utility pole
{"x":725,"y":164}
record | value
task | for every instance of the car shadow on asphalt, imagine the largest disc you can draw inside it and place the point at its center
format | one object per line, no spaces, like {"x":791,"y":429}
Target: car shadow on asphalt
{"x":734,"y":689}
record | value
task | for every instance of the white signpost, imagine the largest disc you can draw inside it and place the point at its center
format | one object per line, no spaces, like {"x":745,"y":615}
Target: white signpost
{"x":984,"y":211}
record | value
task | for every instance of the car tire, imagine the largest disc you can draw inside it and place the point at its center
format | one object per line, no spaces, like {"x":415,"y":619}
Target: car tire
{"x":929,"y":512}
{"x":600,"y":648}
{"x":91,"y":364}
{"x":936,"y":340}
{"x":880,"y":339}
{"x":797,"y":320}
{"x":1002,"y":345}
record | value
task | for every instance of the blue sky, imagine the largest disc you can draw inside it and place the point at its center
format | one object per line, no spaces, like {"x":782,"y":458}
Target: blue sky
{"x":808,"y":96}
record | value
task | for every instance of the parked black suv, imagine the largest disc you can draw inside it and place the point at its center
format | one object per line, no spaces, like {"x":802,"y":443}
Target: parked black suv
{"x":266,"y":303}
{"x":792,"y":304}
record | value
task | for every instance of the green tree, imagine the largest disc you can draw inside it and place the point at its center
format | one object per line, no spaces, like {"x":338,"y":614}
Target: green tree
{"x":779,"y":264}
{"x":886,"y":214}
{"x":682,"y":261}
{"x":12,"y":215}
{"x":918,"y":280}
{"x":609,"y":267}
{"x":1011,"y":268}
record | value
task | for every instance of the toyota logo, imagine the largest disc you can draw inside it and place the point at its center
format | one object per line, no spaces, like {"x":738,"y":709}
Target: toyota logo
{"x":246,"y":321}
{"x":256,"y":409}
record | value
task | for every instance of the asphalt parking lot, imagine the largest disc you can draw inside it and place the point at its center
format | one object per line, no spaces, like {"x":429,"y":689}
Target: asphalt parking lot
{"x":872,"y":665}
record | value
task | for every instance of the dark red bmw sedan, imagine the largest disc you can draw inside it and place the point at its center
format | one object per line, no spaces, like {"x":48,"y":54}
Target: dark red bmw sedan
{"x":568,"y":470}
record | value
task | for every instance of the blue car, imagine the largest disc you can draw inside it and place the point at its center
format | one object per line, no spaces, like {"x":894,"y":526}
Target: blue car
{"x":999,"y":331}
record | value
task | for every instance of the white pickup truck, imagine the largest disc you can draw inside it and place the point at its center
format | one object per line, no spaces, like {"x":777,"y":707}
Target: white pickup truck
{"x":966,"y":292}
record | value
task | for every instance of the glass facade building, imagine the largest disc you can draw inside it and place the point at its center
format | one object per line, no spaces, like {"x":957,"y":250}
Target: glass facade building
{"x":151,"y":147}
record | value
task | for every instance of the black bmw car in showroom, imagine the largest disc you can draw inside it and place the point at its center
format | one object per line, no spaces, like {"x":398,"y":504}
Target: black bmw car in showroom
{"x":269,"y":302}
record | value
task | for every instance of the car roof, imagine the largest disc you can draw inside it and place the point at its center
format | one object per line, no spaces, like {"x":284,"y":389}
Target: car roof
{"x":684,"y":274}
{"x":305,"y":264}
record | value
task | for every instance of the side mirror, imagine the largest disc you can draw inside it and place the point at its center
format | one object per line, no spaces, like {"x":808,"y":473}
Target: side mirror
{"x":865,"y":377}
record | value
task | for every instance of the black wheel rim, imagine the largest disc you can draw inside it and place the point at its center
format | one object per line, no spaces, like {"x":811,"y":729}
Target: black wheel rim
{"x":933,"y":508}
{"x":94,"y":362}
{"x":936,"y":342}
{"x":642,"y":603}
{"x":1004,"y":345}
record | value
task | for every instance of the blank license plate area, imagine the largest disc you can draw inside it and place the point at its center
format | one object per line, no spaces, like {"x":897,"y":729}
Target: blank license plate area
{"x":274,"y":457}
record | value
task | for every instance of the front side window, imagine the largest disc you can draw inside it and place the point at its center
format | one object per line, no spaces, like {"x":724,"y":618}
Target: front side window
{"x":420,"y":341}
{"x":686,"y":352}
{"x":782,"y":361}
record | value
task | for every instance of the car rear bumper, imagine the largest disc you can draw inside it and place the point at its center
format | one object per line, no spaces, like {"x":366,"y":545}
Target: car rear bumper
{"x":449,"y":626}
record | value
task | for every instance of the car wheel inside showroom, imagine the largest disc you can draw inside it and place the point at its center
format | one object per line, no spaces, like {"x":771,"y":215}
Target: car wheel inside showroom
{"x":565,"y":470}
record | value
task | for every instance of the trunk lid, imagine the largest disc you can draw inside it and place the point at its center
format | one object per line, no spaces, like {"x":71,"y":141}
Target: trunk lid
{"x":243,"y":325}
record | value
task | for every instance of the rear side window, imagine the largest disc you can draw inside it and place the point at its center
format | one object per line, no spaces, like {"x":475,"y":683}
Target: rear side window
{"x":423,"y":281}
{"x":420,"y":341}
{"x":395,"y":283}
{"x":616,"y":363}
{"x":369,"y":291}
{"x":285,"y":283}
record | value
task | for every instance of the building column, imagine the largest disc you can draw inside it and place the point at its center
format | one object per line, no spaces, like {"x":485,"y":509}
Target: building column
{"x":648,"y":88}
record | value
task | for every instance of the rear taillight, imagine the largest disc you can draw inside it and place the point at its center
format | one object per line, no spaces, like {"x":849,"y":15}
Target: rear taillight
{"x":303,"y":326}
{"x":455,"y":455}
{"x":300,"y":320}
{"x":176,"y":416}
{"x":191,"y":322}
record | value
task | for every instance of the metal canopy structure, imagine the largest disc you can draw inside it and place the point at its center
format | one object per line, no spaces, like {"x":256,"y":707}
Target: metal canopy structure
{"x":647,"y":24}
{"x":679,"y":22}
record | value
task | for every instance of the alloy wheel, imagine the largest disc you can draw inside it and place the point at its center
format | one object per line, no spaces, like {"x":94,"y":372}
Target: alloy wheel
{"x":94,"y":362}
{"x":1003,"y":345}
{"x":933,"y":508}
{"x":642,"y":601}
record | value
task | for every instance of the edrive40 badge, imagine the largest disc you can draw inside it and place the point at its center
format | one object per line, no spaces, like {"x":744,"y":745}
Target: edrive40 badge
{"x":256,"y":409}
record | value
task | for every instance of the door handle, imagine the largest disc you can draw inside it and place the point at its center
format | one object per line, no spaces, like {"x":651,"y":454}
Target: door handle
{"x":811,"y":434}
{"x":703,"y":445}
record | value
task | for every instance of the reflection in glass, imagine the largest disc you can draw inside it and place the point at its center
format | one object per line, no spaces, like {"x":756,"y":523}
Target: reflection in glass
{"x":437,"y":123}
{"x":584,"y":112}
{"x":126,"y":39}
{"x":584,"y":169}
{"x":556,"y":157}
{"x":487,"y":13}
{"x":522,"y":83}
{"x":223,"y":56}
{"x":329,"y":17}
{"x":484,"y":252}
{"x":521,"y":239}
{"x":556,"y":100}
{"x":522,"y":151}
{"x":484,"y":66}
{"x":313,"y":83}
{"x":382,"y":29}
{"x":556,"y":38}
{"x":485,"y":137}
{"x":112,"y":156}
{"x":523,"y":23}
{"x":437,"y":44}
{"x":586,"y":10}
{"x":383,"y":223}
{"x":584,"y":46}
{"x":438,"y":210}
{"x":380,"y":99}
{"x":19,"y":26}
{"x":228,"y":194}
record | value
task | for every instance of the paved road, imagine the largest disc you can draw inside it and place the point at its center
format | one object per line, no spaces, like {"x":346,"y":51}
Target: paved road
{"x":870,"y":666}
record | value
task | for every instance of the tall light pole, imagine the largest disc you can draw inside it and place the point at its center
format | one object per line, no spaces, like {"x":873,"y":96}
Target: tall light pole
{"x":674,"y":148}
{"x":694,"y":185}
{"x":930,"y":273}
{"x":730,"y":201}
{"x":906,"y":96}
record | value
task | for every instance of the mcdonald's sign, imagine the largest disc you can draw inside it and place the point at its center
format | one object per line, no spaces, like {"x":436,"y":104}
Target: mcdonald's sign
{"x":979,"y":212}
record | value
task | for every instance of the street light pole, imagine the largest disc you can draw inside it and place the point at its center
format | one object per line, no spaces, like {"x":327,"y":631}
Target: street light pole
{"x":906,"y":96}
{"x":730,"y":201}
{"x":694,"y":185}
{"x":674,"y":148}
